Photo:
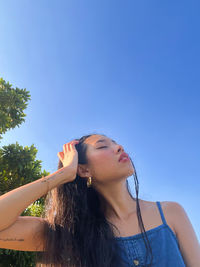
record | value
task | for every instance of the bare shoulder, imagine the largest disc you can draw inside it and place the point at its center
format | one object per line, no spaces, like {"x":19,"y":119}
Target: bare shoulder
{"x":173,"y":210}
{"x":152,"y":215}
{"x":170,"y":209}
{"x":178,"y":215}
{"x":187,"y":238}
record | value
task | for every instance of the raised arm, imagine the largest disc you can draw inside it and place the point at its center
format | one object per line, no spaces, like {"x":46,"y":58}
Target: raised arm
{"x":13,"y":203}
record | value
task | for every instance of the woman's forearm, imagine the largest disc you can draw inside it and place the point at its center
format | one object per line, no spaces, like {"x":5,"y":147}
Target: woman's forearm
{"x":14,"y":202}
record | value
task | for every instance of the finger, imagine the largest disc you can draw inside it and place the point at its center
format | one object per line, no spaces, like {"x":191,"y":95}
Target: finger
{"x":60,"y":156}
{"x":76,"y":141}
{"x":68,"y":146}
{"x":73,"y":144}
{"x":64,"y":148}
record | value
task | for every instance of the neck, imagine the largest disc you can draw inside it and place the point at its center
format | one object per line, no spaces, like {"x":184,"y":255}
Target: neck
{"x":116,"y":201}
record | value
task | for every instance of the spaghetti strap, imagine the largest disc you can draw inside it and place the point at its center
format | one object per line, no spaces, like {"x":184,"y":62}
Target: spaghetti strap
{"x":161,"y":212}
{"x":164,"y":245}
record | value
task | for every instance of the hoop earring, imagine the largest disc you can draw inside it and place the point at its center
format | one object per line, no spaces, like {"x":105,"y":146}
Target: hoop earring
{"x":89,"y":182}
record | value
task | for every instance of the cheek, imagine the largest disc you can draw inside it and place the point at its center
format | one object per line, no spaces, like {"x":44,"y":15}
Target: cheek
{"x":104,"y":157}
{"x":105,"y":161}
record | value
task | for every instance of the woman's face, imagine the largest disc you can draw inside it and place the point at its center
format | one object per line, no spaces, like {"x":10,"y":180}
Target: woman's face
{"x":103,"y":160}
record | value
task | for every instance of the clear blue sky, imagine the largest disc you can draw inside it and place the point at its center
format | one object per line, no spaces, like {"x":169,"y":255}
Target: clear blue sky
{"x":127,"y":69}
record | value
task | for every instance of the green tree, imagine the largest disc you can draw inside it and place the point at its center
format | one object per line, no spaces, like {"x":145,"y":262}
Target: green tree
{"x":12,"y":105}
{"x":18,"y":166}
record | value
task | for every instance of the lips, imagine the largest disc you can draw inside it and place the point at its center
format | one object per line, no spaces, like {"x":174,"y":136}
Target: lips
{"x":123,"y":155}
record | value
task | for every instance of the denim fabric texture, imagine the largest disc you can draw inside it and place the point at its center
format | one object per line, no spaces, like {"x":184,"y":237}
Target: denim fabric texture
{"x":164,"y":244}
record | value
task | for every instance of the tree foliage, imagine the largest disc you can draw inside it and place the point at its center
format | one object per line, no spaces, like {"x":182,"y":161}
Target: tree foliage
{"x":13,"y":102}
{"x":18,"y":166}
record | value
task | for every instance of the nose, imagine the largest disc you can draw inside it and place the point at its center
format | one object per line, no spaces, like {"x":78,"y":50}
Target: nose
{"x":120,"y":148}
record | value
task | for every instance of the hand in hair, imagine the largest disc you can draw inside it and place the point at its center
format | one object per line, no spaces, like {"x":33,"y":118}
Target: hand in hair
{"x":69,"y":159}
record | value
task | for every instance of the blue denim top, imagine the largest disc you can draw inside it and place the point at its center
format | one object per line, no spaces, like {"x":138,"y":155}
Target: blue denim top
{"x":164,"y":244}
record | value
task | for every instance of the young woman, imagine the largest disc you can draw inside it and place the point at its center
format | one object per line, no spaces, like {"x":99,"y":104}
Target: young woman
{"x":92,"y":220}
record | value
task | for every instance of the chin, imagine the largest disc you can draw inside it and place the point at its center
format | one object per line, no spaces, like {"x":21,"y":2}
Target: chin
{"x":128,"y":173}
{"x":131,"y":172}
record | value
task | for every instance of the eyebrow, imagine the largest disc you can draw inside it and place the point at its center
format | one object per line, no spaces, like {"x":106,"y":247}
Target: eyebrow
{"x":103,"y":140}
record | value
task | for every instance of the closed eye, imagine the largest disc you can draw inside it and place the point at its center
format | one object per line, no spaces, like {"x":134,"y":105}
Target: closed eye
{"x":101,"y":147}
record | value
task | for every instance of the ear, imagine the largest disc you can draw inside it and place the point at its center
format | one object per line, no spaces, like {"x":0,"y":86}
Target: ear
{"x":83,"y":171}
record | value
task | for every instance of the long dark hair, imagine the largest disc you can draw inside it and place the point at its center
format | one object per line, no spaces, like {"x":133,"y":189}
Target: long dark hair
{"x":76,"y":232}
